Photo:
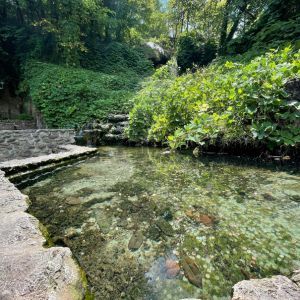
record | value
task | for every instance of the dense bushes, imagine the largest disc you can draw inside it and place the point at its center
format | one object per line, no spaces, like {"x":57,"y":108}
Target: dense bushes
{"x":69,"y":96}
{"x":232,"y":102}
{"x":191,"y":51}
{"x":116,"y":58}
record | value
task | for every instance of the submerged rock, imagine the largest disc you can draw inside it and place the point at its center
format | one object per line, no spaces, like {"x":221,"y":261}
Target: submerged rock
{"x":207,"y":220}
{"x":275,"y":288}
{"x":136,"y":241}
{"x":71,"y":232}
{"x":172,"y":268}
{"x":268,"y":196}
{"x":165,"y":227}
{"x":191,"y":271}
{"x":154,"y":233}
{"x":163,"y":268}
{"x":73,"y":201}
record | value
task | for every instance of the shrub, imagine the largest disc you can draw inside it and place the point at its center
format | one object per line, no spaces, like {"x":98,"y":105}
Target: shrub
{"x":233,"y":101}
{"x":191,"y":52}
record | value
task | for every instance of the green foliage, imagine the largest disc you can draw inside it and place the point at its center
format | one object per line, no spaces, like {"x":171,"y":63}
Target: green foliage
{"x":117,"y":58}
{"x":234,"y":101}
{"x":279,"y":24}
{"x":70,"y":96}
{"x":191,"y":52}
{"x":24,"y":117}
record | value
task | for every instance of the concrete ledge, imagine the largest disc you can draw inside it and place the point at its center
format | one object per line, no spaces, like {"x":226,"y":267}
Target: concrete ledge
{"x":28,"y":270}
{"x":69,"y":152}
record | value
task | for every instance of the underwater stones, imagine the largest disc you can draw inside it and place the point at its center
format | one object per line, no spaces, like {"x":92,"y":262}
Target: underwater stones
{"x":268,"y":196}
{"x":159,"y":229}
{"x":275,"y":288}
{"x":103,"y":221}
{"x":73,"y":201}
{"x":172,"y":268}
{"x":191,"y":271}
{"x":165,"y":227}
{"x":136,"y":241}
{"x":163,"y":211}
{"x":154,"y":233}
{"x":167,"y":215}
{"x":204,"y":219}
{"x":71,"y":232}
{"x":295,"y":198}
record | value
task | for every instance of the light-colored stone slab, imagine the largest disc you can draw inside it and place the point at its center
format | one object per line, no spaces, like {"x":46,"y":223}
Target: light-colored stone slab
{"x":70,"y":151}
{"x":275,"y":288}
{"x":11,"y":200}
{"x":28,"y":271}
{"x":296,"y":277}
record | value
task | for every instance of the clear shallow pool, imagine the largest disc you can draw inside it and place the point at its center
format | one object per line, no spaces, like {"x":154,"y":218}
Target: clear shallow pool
{"x":144,"y":225}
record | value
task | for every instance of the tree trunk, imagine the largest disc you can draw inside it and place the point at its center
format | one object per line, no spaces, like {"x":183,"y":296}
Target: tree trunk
{"x":224,"y":27}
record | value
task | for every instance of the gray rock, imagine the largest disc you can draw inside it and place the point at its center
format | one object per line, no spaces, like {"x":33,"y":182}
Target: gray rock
{"x":296,"y":277}
{"x":106,"y":127}
{"x":28,"y":270}
{"x":118,"y":118}
{"x":114,"y":138}
{"x":275,"y":288}
{"x":117,"y":130}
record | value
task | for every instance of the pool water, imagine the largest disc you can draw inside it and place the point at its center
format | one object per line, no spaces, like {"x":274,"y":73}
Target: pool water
{"x":145,"y":225}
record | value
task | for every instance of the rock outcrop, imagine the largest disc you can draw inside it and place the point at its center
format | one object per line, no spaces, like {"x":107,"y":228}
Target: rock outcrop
{"x":275,"y":288}
{"x":27,"y":269}
{"x":99,"y":133}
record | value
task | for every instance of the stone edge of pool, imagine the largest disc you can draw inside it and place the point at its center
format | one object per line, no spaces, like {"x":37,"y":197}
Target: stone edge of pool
{"x":28,"y":270}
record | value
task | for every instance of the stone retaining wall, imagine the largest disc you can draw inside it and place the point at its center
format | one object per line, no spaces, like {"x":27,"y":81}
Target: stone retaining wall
{"x":19,"y":144}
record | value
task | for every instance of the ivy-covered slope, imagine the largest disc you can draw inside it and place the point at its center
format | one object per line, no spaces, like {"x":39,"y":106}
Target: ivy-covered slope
{"x":68,"y":96}
{"x":242,"y":102}
{"x":71,"y":96}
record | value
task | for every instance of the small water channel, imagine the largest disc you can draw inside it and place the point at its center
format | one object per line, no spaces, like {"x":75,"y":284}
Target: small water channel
{"x":149,"y":226}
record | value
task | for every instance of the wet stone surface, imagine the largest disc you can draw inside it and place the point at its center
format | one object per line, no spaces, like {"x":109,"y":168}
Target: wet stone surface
{"x":149,"y":226}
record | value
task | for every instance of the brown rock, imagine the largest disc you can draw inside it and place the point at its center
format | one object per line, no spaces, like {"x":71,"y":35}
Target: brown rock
{"x":172,"y":268}
{"x":207,"y":220}
{"x":136,"y":241}
{"x":191,"y":271}
{"x":73,"y":200}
